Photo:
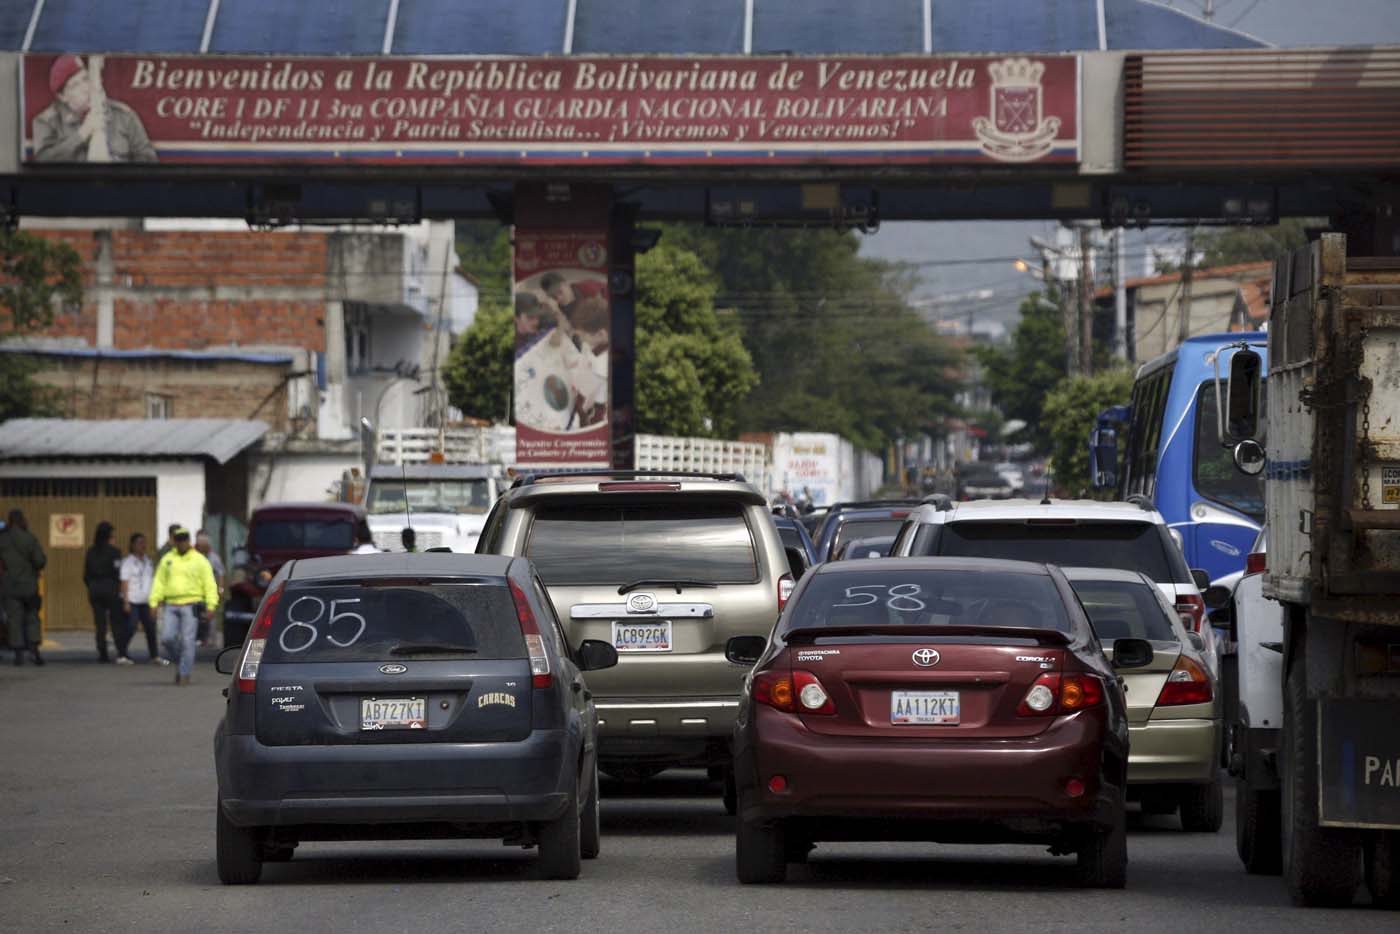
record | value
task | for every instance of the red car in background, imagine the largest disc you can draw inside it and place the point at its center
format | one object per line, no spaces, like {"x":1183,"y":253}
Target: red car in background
{"x":278,"y":533}
{"x":936,"y":699}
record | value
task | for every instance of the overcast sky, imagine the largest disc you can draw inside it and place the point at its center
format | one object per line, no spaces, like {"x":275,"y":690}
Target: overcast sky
{"x":1286,"y":23}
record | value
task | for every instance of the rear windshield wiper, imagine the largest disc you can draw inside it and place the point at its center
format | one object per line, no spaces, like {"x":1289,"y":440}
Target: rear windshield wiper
{"x":431,"y":648}
{"x":664,"y":582}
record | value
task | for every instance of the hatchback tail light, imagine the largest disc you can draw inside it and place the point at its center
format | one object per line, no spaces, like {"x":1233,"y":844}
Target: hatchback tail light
{"x":802,"y":692}
{"x":1192,"y":609}
{"x":786,"y":585}
{"x":1054,"y":694}
{"x":1187,"y":684}
{"x":257,"y":642}
{"x":1256,"y":563}
{"x":534,"y":641}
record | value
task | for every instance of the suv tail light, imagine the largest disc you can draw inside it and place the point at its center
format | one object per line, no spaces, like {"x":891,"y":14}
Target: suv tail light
{"x":534,"y":641}
{"x":1187,"y":684}
{"x":1054,"y":694}
{"x":1192,"y":609}
{"x":1256,"y":563}
{"x":801,"y":693}
{"x":256,"y":642}
{"x":786,"y":585}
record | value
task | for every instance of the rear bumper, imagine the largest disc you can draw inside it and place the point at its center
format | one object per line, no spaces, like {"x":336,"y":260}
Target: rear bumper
{"x":1170,"y":751}
{"x":1016,"y":784}
{"x":271,"y":786}
{"x":663,"y":729}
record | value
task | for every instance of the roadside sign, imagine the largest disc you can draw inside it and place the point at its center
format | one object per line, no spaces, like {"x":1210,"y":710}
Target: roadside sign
{"x":66,"y":530}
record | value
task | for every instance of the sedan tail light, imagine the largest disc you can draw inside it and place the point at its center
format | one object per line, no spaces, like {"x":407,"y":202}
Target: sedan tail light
{"x":1192,"y":609}
{"x":1187,"y":684}
{"x":1256,"y":562}
{"x":786,"y":585}
{"x":1054,"y":694}
{"x":257,"y":641}
{"x":802,"y":692}
{"x":534,"y":641}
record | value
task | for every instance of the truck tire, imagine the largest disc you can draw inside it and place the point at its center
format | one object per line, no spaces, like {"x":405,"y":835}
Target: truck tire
{"x":238,"y":851}
{"x":1203,"y":808}
{"x":1383,"y":868}
{"x":1321,"y":865}
{"x":560,"y":847}
{"x":1257,"y":833}
{"x":760,"y":852}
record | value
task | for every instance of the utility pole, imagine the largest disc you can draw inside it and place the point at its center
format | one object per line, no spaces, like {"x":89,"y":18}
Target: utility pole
{"x":1183,"y":307}
{"x":1086,"y":306}
{"x":1120,"y":297}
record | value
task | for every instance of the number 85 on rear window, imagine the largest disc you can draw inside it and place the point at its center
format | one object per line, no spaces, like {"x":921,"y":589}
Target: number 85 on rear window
{"x":310,"y":618}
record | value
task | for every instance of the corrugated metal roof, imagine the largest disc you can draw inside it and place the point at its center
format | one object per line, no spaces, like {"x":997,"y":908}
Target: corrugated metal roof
{"x":592,"y":27}
{"x":221,"y":439}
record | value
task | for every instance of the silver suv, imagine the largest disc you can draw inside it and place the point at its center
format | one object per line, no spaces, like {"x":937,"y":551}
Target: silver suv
{"x":666,"y":567}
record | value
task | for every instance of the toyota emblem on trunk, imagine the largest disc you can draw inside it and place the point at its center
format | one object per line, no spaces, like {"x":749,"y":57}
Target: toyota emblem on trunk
{"x":641,"y":603}
{"x":926,"y":658}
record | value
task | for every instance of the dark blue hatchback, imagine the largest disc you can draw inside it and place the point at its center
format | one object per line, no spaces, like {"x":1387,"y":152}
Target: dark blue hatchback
{"x":407,"y":696}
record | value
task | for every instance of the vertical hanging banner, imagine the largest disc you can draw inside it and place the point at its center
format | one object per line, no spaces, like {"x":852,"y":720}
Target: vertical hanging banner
{"x":563,"y":325}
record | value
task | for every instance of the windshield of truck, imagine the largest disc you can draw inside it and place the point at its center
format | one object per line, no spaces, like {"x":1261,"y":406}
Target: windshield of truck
{"x":1214,"y":472}
{"x":459,"y":496}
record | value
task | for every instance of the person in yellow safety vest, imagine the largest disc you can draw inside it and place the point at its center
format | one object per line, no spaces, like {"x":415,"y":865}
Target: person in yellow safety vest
{"x":184,"y":579}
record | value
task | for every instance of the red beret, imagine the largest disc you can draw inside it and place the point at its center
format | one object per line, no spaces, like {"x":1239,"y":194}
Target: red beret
{"x":64,"y":67}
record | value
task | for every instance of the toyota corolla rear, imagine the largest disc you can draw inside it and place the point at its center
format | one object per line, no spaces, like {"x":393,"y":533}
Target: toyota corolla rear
{"x":933,"y":699}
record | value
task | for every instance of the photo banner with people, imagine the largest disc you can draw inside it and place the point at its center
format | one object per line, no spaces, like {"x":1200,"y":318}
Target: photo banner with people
{"x":562,"y":338}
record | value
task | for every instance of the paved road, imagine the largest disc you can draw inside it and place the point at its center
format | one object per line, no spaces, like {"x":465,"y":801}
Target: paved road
{"x":107,"y":824}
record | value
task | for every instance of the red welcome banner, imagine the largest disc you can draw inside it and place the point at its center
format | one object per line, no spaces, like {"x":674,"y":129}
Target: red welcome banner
{"x":689,"y":111}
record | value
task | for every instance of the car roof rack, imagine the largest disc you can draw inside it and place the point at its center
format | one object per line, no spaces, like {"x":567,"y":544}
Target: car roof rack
{"x":875,"y":504}
{"x":537,"y":476}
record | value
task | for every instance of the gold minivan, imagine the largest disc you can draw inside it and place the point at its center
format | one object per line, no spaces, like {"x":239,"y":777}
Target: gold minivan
{"x":666,"y":567}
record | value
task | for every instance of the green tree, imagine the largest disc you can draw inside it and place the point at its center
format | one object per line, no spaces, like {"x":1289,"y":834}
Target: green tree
{"x":1022,"y":374}
{"x":479,"y":372}
{"x":35,"y":274}
{"x":1228,"y":246}
{"x":1069,"y":414}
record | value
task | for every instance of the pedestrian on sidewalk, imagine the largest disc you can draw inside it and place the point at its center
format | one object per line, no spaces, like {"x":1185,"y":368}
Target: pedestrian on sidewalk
{"x":169,"y":545}
{"x":206,"y":615}
{"x":137,"y":573}
{"x":409,"y":539}
{"x":23,"y":559}
{"x":102,"y":575}
{"x":364,"y":540}
{"x":183,"y":580}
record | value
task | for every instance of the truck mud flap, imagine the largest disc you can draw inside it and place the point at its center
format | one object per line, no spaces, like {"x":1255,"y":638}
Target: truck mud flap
{"x":1358,"y":764}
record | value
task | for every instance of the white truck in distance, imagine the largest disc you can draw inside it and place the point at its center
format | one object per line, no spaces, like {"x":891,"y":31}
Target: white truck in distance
{"x":435,"y":481}
{"x":1322,"y":790}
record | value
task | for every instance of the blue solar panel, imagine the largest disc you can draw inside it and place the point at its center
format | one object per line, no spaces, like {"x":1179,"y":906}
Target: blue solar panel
{"x":132,"y":25}
{"x":1135,"y":25}
{"x":329,"y":27}
{"x":480,"y":27}
{"x":639,"y":26}
{"x":14,"y":20}
{"x":1015,"y":26}
{"x":816,"y":26}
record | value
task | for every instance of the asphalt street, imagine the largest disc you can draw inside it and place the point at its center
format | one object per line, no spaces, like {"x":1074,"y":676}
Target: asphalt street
{"x":107,"y":824}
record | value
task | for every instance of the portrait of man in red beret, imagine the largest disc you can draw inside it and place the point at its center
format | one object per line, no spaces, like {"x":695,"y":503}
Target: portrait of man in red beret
{"x":83,"y":124}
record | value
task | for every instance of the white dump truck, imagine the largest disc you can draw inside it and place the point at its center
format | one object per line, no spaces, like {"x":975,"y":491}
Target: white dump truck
{"x":438,"y":482}
{"x":1318,"y":632}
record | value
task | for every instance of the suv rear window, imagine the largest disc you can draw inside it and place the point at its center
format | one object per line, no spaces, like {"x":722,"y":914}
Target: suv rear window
{"x":356,"y":622}
{"x":329,"y":534}
{"x":1126,"y":546}
{"x":1123,"y":610}
{"x":865,"y":528}
{"x":930,"y":598}
{"x":615,"y":544}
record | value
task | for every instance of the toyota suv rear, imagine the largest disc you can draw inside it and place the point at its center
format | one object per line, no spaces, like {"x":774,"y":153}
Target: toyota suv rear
{"x":667,"y":568}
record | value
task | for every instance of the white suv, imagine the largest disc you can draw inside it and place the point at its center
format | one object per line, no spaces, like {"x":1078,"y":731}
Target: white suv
{"x":1070,"y":533}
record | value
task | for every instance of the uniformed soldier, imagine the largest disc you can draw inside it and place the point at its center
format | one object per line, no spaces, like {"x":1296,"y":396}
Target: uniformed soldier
{"x":23,"y":559}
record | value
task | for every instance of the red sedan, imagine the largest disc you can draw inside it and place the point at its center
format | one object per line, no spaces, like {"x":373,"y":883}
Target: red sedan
{"x":936,"y":699}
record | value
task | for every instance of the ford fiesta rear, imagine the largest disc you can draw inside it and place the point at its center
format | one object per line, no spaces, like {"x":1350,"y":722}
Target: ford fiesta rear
{"x":946,"y":700}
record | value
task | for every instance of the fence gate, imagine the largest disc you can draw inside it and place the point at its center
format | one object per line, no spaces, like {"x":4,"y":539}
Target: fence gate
{"x":79,"y":503}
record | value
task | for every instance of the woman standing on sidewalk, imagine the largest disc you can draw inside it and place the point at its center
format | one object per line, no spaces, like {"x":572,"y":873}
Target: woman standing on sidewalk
{"x":136,"y":574}
{"x":101,"y":573}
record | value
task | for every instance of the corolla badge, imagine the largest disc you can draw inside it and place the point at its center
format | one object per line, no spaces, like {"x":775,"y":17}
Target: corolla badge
{"x":641,"y":603}
{"x":392,"y":669}
{"x":926,"y":658}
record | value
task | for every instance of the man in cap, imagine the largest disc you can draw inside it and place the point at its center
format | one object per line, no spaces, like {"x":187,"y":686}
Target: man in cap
{"x":184,"y":579}
{"x":83,"y":124}
{"x":23,"y":559}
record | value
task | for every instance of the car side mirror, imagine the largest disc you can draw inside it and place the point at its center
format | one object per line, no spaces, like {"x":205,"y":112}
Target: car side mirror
{"x":1217,"y":597}
{"x":797,"y":562}
{"x":1250,"y":458}
{"x":1103,"y":458}
{"x":745,"y":650}
{"x":1131,"y":653}
{"x":1242,"y":394}
{"x":595,"y":655}
{"x":225,"y":661}
{"x":1201,"y":579}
